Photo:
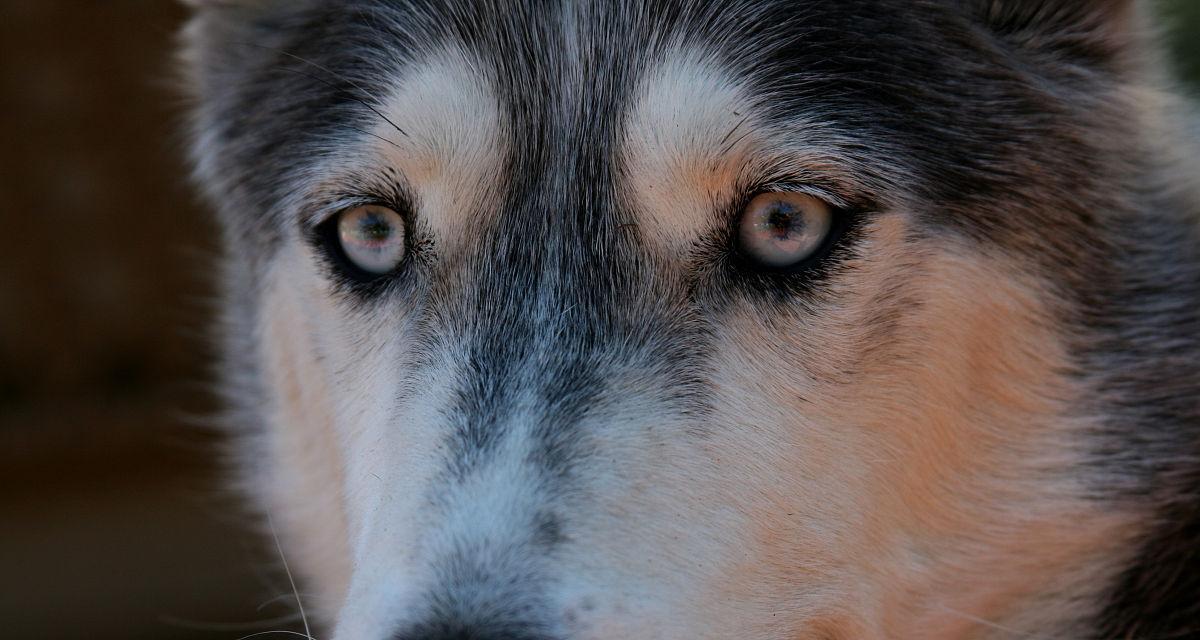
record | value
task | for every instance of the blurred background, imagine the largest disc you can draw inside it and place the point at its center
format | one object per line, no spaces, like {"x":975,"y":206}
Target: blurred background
{"x":112,"y":520}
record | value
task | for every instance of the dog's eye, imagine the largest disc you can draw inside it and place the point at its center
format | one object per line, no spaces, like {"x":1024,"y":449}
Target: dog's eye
{"x":372,"y":238}
{"x":782,"y":229}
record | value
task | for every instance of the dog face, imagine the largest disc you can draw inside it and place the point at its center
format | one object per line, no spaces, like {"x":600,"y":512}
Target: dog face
{"x":755,"y":320}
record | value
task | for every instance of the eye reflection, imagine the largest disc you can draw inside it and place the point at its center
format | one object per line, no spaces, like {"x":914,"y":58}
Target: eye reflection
{"x":782,"y":229}
{"x":372,"y":238}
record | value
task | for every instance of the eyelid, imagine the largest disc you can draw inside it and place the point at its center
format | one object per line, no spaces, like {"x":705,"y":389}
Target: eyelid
{"x":830,"y":198}
{"x":327,"y":210}
{"x":355,"y":188}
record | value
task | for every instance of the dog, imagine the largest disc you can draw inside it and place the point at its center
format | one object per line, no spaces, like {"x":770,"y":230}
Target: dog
{"x":678,"y":319}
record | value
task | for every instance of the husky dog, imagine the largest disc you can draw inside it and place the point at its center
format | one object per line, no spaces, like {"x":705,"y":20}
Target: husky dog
{"x":755,"y":319}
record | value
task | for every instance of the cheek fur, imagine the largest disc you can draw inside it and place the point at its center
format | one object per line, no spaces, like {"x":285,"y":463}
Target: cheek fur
{"x":903,"y":459}
{"x":302,"y":478}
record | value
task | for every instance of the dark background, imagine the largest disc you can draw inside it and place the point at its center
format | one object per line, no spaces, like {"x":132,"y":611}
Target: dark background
{"x":112,"y":520}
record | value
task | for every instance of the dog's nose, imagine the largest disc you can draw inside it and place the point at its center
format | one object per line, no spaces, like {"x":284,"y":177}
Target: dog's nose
{"x":454,"y":631}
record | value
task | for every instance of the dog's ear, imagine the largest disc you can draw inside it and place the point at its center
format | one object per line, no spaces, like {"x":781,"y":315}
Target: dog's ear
{"x":221,"y":45}
{"x":1101,"y":32}
{"x":226,"y":34}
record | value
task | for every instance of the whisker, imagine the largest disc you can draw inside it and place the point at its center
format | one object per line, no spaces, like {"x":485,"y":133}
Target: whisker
{"x":374,"y":135}
{"x":353,"y":128}
{"x":263,"y":633}
{"x":992,"y":625}
{"x":291,"y":580}
{"x":278,"y":598}
{"x":330,"y":84}
{"x":729,"y":135}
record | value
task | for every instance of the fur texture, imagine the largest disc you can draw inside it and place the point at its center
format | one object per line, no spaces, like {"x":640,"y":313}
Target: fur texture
{"x":577,"y":410}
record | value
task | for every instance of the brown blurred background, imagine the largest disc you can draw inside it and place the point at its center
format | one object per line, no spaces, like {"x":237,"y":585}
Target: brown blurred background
{"x":112,"y":520}
{"x":112,"y":524}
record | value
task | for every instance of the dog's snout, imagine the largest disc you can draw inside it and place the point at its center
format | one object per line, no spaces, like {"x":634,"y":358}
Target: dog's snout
{"x":449,"y":629}
{"x":454,"y":631}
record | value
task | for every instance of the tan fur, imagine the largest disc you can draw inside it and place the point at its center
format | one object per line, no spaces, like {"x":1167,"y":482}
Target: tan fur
{"x":924,"y":465}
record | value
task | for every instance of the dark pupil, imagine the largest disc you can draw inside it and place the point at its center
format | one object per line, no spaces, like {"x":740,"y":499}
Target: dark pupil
{"x":375,"y":228}
{"x":783,"y":220}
